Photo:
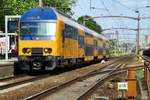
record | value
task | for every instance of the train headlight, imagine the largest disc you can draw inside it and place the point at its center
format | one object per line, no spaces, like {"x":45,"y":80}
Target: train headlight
{"x":47,"y":50}
{"x":26,"y":50}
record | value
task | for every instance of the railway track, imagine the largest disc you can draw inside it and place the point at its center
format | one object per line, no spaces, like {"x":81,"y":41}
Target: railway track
{"x":99,"y":77}
{"x":99,"y":83}
{"x":20,"y":80}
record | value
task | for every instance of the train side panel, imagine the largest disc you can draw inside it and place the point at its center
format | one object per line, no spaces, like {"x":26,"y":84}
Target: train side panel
{"x":89,"y":47}
{"x":81,"y":44}
{"x":70,"y":43}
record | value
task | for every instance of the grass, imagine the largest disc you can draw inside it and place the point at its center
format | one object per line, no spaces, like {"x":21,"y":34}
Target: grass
{"x":139,"y":73}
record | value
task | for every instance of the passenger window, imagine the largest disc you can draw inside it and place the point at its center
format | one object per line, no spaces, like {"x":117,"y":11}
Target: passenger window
{"x":70,"y":32}
{"x":81,"y":41}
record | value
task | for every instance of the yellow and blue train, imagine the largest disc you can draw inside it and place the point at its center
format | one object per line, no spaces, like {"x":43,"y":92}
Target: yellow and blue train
{"x":49,"y":39}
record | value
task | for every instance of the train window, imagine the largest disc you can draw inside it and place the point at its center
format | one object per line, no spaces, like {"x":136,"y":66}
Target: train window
{"x":89,"y":50}
{"x":81,"y":41}
{"x":38,"y":28}
{"x":104,"y":45}
{"x":95,"y":44}
{"x":70,"y":32}
{"x":107,"y":45}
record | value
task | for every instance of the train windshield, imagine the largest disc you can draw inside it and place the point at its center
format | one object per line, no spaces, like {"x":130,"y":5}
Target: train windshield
{"x":38,"y":29}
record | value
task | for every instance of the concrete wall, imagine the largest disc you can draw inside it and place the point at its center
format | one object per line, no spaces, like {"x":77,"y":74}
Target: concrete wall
{"x":6,"y":70}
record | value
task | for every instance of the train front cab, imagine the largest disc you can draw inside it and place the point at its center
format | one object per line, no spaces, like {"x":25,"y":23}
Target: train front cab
{"x":39,"y":46}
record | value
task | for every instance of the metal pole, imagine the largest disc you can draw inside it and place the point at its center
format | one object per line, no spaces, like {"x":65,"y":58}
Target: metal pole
{"x":90,"y":4}
{"x":138,"y":35}
{"x":84,"y":21}
{"x":6,"y":36}
{"x":40,"y":3}
{"x":117,"y":46}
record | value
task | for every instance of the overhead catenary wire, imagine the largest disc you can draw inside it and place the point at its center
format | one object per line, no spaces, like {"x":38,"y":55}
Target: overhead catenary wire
{"x":108,"y":11}
{"x":123,"y":5}
{"x":148,"y":1}
{"x":116,"y":10}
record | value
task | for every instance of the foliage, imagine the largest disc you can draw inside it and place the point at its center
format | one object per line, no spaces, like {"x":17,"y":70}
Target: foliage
{"x":113,"y":44}
{"x":14,"y":7}
{"x":90,"y":23}
{"x":120,"y":48}
{"x":139,"y":73}
{"x":62,"y":5}
{"x":18,"y":7}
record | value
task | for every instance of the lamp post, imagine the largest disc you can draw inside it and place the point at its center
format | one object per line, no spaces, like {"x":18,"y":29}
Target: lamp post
{"x":138,"y":30}
{"x":138,"y":34}
{"x":40,"y":3}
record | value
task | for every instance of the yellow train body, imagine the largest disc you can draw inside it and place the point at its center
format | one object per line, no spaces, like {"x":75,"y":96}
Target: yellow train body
{"x":73,"y":43}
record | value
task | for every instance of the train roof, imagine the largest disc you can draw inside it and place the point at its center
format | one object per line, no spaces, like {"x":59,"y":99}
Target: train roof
{"x":36,"y":14}
{"x":48,"y":13}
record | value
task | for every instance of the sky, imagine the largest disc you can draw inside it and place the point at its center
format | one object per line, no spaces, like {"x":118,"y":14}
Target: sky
{"x":117,"y":8}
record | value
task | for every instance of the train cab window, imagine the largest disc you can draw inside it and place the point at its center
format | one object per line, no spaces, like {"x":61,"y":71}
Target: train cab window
{"x":42,"y":30}
{"x":38,"y":28}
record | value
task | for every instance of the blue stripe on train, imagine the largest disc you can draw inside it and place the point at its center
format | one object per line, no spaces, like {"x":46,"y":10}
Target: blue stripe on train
{"x":39,"y":14}
{"x":89,"y":50}
{"x":28,"y":37}
{"x":100,"y":51}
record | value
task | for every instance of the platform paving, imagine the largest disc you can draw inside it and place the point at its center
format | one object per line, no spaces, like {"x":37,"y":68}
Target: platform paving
{"x":9,"y":61}
{"x":7,"y":68}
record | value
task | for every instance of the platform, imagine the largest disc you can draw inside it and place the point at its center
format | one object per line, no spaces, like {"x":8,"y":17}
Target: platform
{"x":7,"y":68}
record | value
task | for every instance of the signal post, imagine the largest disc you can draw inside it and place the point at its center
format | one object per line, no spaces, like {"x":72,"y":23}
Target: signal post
{"x":131,"y":93}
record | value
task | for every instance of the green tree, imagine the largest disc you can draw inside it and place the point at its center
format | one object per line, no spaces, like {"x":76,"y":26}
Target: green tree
{"x":14,"y":7}
{"x":114,"y":46}
{"x":90,"y":23}
{"x":18,"y":7}
{"x":62,"y":5}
